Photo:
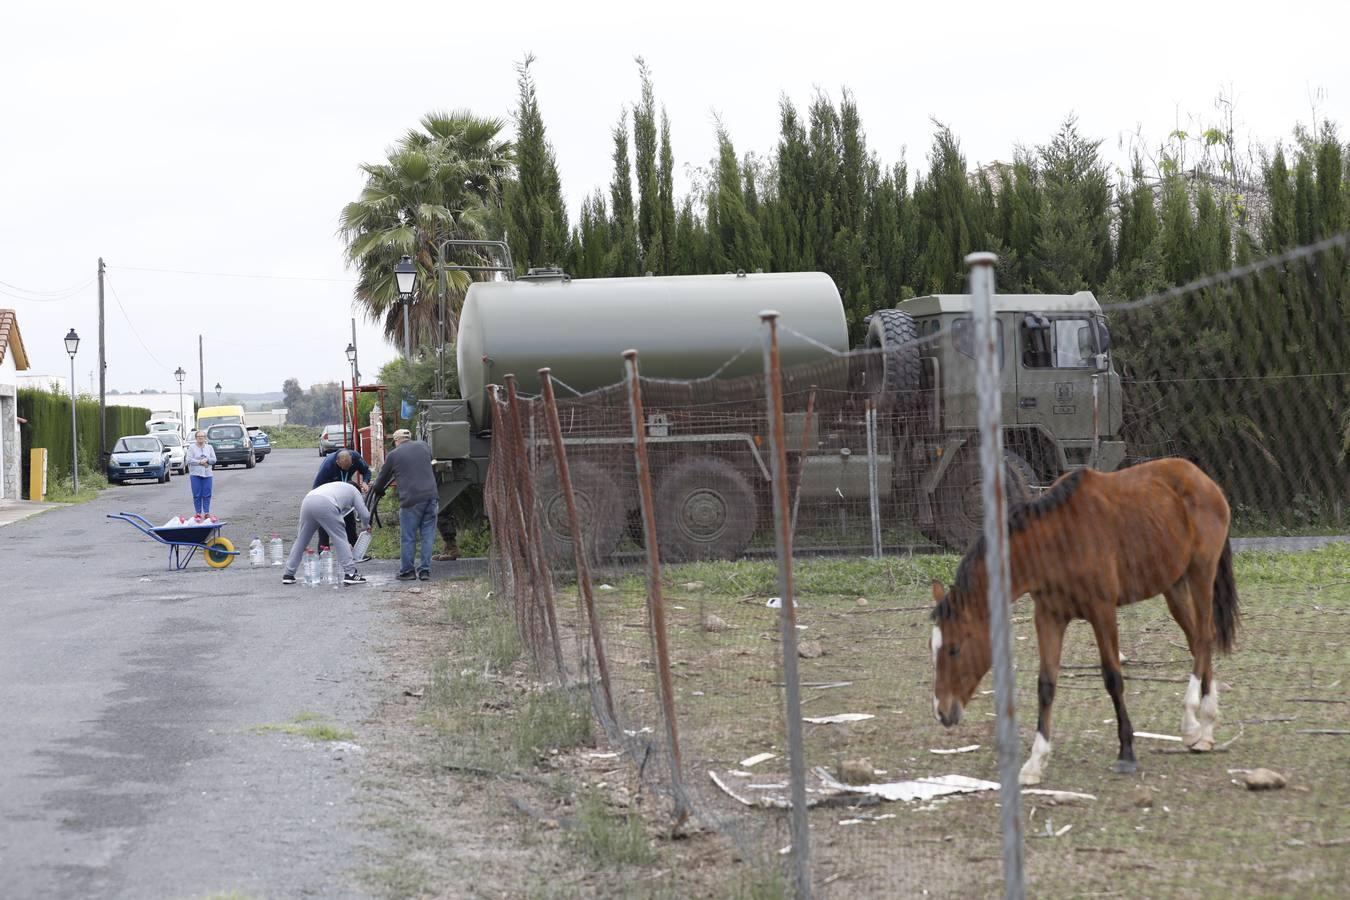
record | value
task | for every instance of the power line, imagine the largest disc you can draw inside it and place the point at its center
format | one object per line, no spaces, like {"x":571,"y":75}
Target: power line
{"x":32,"y":296}
{"x":234,"y":275}
{"x":129,"y":323}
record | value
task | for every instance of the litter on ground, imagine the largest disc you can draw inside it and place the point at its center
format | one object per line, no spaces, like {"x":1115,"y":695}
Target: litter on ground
{"x":966,"y":749}
{"x":1157,"y":737}
{"x":840,"y":719}
{"x":757,"y":759}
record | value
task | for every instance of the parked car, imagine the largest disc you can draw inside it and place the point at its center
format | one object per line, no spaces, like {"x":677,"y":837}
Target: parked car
{"x":177,"y":452}
{"x":262,"y":444}
{"x":333,"y":437}
{"x":233,"y":447}
{"x":139,"y":458}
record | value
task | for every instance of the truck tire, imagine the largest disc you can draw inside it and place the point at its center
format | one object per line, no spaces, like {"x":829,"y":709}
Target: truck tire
{"x":893,"y":377}
{"x":705,"y":509}
{"x":600,"y":508}
{"x":958,"y":507}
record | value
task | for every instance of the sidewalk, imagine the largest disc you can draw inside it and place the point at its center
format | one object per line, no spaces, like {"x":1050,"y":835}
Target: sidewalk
{"x":12,"y":511}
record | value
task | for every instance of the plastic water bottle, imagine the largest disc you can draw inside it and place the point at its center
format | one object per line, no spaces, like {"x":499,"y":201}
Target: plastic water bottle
{"x":274,"y":548}
{"x":255,"y":552}
{"x":311,"y":569}
{"x":326,"y":566}
{"x":361,"y":546}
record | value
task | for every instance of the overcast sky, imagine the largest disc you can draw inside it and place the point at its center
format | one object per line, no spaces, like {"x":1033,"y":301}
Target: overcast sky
{"x":225,"y":138}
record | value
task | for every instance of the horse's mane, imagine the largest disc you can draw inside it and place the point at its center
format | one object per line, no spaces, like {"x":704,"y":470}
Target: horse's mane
{"x":1020,"y":516}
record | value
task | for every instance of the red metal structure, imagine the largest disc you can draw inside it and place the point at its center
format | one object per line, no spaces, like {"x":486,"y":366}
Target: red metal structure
{"x":357,"y":438}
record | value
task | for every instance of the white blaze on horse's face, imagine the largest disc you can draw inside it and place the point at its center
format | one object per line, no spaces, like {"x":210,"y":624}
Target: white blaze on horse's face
{"x":935,"y":642}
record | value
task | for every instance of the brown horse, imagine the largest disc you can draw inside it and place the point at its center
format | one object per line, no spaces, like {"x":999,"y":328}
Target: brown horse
{"x":1091,"y":543}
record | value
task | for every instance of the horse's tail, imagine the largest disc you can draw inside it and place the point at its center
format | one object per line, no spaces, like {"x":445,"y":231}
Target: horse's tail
{"x":1225,"y":601}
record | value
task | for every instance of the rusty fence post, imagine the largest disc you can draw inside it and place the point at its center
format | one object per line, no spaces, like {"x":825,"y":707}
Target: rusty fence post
{"x":805,"y":451}
{"x":529,"y":516}
{"x":782,"y":526}
{"x":996,"y":563}
{"x":508,"y":529}
{"x":656,"y":607}
{"x":579,"y":548}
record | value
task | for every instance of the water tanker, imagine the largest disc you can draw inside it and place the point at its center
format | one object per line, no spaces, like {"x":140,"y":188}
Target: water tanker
{"x":917,"y":457}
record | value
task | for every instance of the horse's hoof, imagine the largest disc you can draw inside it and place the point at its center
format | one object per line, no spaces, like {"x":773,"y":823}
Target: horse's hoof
{"x":1204,"y":745}
{"x":1028,"y":779}
{"x":1126,"y":767}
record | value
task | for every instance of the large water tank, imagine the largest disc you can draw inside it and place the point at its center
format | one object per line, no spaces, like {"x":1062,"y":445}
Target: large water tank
{"x":683,"y":326}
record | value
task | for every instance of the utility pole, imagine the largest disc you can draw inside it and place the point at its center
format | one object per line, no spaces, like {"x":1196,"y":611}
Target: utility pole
{"x":201,"y":373}
{"x":102,"y":379}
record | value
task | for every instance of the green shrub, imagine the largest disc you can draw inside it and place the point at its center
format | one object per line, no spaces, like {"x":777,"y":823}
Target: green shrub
{"x":48,"y":415}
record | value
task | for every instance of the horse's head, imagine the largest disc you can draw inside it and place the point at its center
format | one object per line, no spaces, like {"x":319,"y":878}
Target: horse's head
{"x":961,"y":654}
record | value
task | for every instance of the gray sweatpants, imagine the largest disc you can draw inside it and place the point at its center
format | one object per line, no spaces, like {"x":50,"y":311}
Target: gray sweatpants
{"x":316,"y":513}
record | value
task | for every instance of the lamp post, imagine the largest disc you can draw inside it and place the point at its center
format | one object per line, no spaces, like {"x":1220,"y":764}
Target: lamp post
{"x":182,"y":426}
{"x":72,"y":345}
{"x":405,"y":274}
{"x":217,"y":391}
{"x":351,"y":359}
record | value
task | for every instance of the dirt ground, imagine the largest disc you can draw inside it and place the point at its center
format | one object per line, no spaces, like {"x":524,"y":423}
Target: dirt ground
{"x":1183,"y":827}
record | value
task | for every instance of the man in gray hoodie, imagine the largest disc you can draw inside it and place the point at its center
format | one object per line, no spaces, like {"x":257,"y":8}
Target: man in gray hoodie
{"x":409,"y":464}
{"x":325,"y":507}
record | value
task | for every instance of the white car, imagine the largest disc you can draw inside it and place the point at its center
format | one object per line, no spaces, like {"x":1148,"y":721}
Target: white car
{"x":177,"y":452}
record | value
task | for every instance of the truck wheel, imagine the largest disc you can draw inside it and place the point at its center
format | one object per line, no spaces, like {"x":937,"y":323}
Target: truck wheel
{"x":893,"y":374}
{"x":959,"y":508}
{"x":600,"y":508}
{"x":705,"y":509}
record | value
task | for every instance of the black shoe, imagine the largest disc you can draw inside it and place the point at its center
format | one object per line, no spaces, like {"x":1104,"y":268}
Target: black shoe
{"x":424,"y":575}
{"x":406,"y":576}
{"x":288,"y":579}
{"x":354,"y":578}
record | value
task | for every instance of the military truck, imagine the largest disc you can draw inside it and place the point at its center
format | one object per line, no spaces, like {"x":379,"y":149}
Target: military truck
{"x":1061,"y":408}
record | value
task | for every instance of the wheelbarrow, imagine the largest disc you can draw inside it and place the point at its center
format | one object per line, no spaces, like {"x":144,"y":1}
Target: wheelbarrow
{"x":185,"y":540}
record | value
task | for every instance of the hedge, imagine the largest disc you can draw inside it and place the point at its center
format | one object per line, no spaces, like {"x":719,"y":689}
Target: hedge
{"x":48,"y":416}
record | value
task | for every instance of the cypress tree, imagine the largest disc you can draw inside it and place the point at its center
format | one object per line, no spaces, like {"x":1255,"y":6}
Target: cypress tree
{"x":535,"y":211}
{"x":943,"y":206}
{"x":623,"y":250}
{"x":735,"y":237}
{"x":1279,"y":231}
{"x":1073,"y":247}
{"x":666,"y":189}
{"x":649,"y":226}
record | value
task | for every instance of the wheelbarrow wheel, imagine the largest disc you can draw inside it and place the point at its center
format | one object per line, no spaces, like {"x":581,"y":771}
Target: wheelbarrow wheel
{"x":218,"y":552}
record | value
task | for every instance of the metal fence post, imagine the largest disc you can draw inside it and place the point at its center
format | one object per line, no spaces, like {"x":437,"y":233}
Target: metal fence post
{"x":873,"y":488}
{"x":782,"y":526}
{"x":1096,"y":423}
{"x":529,"y":516}
{"x":996,"y":562}
{"x":579,"y":548}
{"x":807,"y":424}
{"x":656,"y":605}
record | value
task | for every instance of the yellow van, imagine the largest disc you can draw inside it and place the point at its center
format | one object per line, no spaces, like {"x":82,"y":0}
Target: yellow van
{"x":220,"y":415}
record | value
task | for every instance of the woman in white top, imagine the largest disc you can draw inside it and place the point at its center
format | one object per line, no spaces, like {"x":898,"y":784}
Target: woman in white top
{"x":200,"y":457}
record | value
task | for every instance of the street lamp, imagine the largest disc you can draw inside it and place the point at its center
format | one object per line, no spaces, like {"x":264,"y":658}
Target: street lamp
{"x":182,"y":427}
{"x":405,"y":274}
{"x":72,"y":345}
{"x":217,"y":391}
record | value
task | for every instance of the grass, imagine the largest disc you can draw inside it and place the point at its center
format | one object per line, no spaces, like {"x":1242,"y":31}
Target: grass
{"x":473,"y":539}
{"x":91,"y":485}
{"x":607,"y":838}
{"x":552,"y":720}
{"x":308,"y":725}
{"x":1203,"y":837}
{"x":294,"y":437}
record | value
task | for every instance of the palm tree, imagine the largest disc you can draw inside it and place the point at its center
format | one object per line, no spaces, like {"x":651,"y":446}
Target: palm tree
{"x":441,"y":181}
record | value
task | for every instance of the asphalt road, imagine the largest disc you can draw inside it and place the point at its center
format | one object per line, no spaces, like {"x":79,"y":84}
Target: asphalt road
{"x":134,"y":757}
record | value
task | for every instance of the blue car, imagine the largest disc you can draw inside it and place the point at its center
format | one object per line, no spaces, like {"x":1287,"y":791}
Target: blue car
{"x":262,"y":444}
{"x":139,"y":458}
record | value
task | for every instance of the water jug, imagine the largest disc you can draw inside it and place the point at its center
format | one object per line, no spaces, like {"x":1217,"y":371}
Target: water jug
{"x":361,"y":546}
{"x":255,"y":553}
{"x":311,"y":569}
{"x":274,"y":548}
{"x":326,"y":572}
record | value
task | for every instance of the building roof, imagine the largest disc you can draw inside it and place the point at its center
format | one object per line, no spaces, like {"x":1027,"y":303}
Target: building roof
{"x":10,"y":341}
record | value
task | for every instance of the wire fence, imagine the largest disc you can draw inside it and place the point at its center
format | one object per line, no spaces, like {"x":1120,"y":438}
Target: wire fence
{"x":741,"y":571}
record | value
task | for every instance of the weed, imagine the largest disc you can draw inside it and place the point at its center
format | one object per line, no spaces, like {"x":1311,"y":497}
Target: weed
{"x":551,"y":719}
{"x":308,"y":725}
{"x":610,"y":839}
{"x":400,"y":879}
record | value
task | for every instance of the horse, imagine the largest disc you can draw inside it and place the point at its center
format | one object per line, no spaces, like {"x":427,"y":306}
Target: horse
{"x":1094,"y":542}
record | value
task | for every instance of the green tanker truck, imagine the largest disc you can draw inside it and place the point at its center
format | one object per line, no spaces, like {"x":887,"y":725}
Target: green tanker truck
{"x":1061,"y":409}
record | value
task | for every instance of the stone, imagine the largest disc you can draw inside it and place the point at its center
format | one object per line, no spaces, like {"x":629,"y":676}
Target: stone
{"x":1264,"y":780}
{"x":1143,"y":797}
{"x":692,"y":586}
{"x":715,"y":623}
{"x":856,"y":771}
{"x":861,"y":601}
{"x":810,"y":649}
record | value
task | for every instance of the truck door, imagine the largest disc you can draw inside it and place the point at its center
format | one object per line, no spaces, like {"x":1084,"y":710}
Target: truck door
{"x":1056,"y":361}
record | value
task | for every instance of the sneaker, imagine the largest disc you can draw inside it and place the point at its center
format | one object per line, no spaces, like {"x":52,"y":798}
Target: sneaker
{"x":406,"y":576}
{"x":424,"y":575}
{"x":288,"y":579}
{"x":354,"y":578}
